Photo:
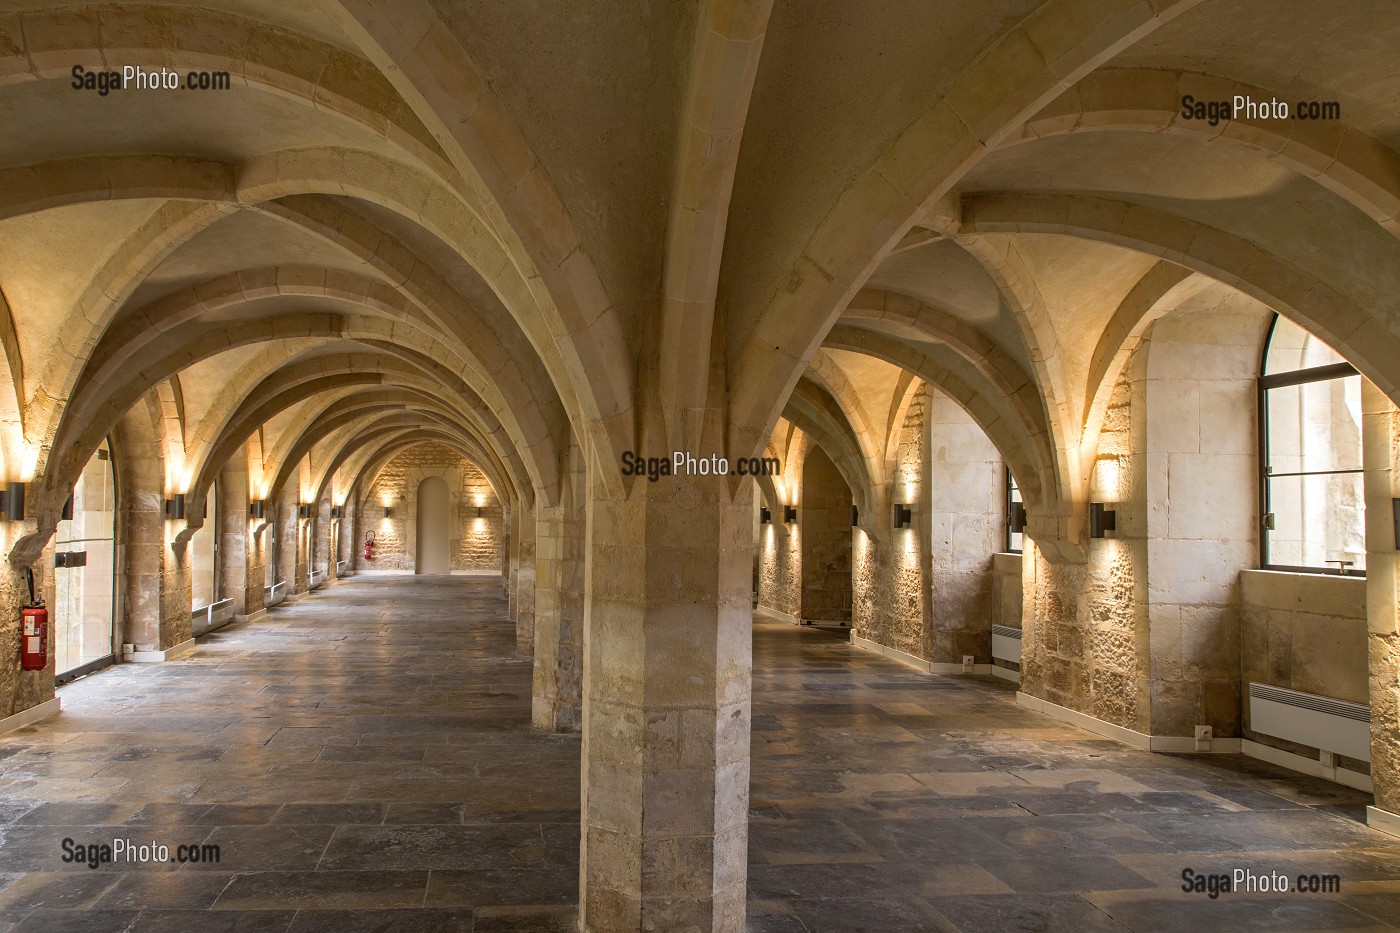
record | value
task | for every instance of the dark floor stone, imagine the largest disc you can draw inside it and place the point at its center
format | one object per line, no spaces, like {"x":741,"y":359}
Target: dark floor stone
{"x":417,"y":920}
{"x":340,"y":890}
{"x":347,"y":793}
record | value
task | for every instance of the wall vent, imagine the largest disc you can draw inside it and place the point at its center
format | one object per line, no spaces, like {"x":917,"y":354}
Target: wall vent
{"x":1324,"y":723}
{"x":1006,"y":643}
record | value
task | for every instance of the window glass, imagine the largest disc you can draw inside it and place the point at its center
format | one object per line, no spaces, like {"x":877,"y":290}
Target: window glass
{"x":1014,"y":538}
{"x":1313,"y":499}
{"x":1292,"y":348}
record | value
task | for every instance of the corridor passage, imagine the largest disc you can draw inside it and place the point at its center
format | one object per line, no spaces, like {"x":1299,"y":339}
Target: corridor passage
{"x":364,"y":761}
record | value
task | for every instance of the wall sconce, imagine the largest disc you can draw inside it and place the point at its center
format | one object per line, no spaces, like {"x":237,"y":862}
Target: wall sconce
{"x":175,"y":507}
{"x":257,"y":508}
{"x":1395,"y":516}
{"x":335,"y":511}
{"x":789,"y":515}
{"x":903,"y":515}
{"x":67,"y":514}
{"x":387,"y":511}
{"x":304,"y":510}
{"x":479,"y":513}
{"x":1017,"y":519}
{"x":855,"y":516}
{"x":1101,"y":519}
{"x":764,"y":516}
{"x":12,"y":502}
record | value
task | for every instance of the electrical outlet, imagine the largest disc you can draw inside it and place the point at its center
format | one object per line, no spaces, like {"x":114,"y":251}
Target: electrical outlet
{"x":968,"y":663}
{"x":1204,"y":734}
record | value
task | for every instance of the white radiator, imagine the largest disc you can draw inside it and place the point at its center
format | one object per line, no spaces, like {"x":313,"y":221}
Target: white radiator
{"x":1006,"y":643}
{"x":1322,"y":722}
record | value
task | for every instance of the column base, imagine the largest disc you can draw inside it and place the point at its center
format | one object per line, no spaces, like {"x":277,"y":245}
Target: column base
{"x":169,"y":654}
{"x":27,"y":716}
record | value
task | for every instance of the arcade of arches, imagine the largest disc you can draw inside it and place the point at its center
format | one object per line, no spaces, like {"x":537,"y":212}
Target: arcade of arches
{"x":1064,"y":386}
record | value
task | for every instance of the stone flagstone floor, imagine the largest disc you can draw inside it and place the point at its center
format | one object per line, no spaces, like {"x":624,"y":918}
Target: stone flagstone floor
{"x":364,"y":761}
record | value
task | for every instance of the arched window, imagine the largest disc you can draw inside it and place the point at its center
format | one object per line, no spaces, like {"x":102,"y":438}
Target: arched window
{"x":1312,"y":501}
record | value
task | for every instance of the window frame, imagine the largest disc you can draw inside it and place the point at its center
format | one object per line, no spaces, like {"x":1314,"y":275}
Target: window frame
{"x":1266,"y":382}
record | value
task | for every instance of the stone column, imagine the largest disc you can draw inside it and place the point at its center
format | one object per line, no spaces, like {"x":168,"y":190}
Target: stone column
{"x":524,"y":580}
{"x":241,"y":567}
{"x":324,"y":559}
{"x":1380,"y":436}
{"x":291,"y":562}
{"x":511,"y":520}
{"x":351,"y":546}
{"x":667,"y":662}
{"x":559,"y":590}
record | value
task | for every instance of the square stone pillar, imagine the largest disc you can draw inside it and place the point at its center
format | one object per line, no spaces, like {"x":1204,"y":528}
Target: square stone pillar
{"x":523,"y":580}
{"x":1380,"y":435}
{"x":556,"y":697}
{"x":667,"y":666}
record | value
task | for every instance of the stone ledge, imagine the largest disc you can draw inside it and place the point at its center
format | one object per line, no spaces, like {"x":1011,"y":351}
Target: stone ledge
{"x":26,"y":716}
{"x":1317,"y":593}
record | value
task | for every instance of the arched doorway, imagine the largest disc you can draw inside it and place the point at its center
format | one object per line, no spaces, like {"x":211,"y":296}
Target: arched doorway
{"x":434,"y":508}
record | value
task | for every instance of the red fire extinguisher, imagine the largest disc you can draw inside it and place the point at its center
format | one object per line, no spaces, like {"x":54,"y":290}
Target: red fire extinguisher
{"x":369,"y":546}
{"x":34,"y":631}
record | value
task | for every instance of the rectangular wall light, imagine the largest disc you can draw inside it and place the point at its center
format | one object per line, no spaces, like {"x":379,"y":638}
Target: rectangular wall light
{"x":257,"y":508}
{"x":175,"y":506}
{"x":304,"y":510}
{"x":789,"y":515}
{"x":1395,"y":517}
{"x":67,"y":514}
{"x":1101,"y":519}
{"x":335,"y":511}
{"x":1017,"y":520}
{"x":855,"y":515}
{"x":903,"y":515}
{"x":387,"y":510}
{"x":764,"y":516}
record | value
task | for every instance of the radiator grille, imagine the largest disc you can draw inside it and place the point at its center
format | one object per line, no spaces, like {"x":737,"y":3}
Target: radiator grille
{"x":1311,"y":701}
{"x":1006,"y":631}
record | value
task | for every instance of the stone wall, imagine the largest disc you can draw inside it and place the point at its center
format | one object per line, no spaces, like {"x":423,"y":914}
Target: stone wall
{"x":1006,"y":597}
{"x":824,"y":532}
{"x":891,"y":572}
{"x":966,"y":489}
{"x":1202,"y":486}
{"x":1303,"y":632}
{"x":1381,"y":451}
{"x":779,"y":555}
{"x":475,"y":543}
